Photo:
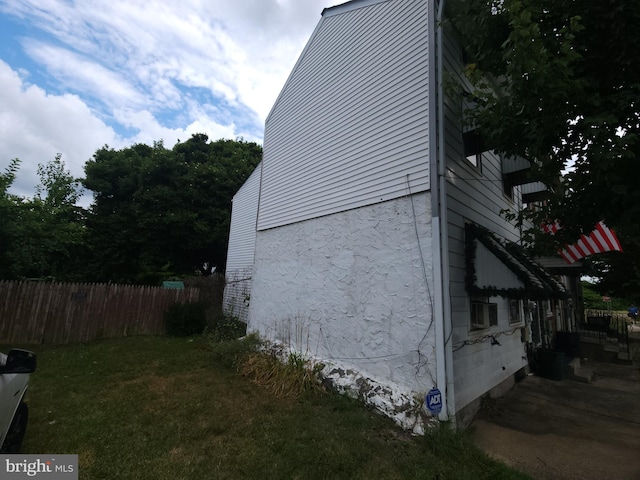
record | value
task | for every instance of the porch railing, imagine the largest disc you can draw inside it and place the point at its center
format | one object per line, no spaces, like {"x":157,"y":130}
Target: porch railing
{"x":606,"y":327}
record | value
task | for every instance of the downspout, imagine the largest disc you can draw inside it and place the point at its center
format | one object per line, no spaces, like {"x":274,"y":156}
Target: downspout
{"x":442,"y":307}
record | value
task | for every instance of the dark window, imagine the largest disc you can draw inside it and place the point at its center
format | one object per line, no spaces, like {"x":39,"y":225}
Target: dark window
{"x":514,"y":312}
{"x":507,"y":186}
{"x":473,"y":147}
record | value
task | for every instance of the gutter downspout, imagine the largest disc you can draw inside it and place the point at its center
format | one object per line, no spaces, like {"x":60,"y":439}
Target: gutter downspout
{"x":442,"y":307}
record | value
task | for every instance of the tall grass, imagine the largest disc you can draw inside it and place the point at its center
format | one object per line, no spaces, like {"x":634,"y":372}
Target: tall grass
{"x":163,"y":408}
{"x":292,"y":378}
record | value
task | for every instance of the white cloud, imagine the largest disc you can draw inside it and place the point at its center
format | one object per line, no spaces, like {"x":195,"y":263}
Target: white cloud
{"x":86,"y":76}
{"x":241,"y":51}
{"x":36,"y":126}
{"x":120,"y":72}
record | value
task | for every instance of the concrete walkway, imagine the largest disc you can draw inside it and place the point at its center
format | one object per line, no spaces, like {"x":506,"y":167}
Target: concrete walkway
{"x":567,"y":430}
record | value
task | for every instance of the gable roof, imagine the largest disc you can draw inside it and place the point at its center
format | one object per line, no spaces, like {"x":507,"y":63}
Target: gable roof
{"x":503,"y":268}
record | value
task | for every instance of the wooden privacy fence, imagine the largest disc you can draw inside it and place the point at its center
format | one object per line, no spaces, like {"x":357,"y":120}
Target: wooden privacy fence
{"x":54,"y":313}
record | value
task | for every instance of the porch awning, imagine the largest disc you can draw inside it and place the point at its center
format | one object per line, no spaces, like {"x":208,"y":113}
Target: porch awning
{"x":497,"y":267}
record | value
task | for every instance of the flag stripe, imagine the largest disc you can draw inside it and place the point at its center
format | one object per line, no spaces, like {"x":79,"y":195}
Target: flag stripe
{"x":578,"y":247}
{"x":605,"y":232}
{"x":611,"y":236}
{"x":601,"y":240}
{"x":589,"y":246}
{"x":592,"y":245}
{"x":601,"y":244}
{"x":551,"y":228}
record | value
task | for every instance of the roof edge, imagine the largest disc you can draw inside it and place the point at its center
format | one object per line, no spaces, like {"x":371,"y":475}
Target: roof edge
{"x":349,"y":6}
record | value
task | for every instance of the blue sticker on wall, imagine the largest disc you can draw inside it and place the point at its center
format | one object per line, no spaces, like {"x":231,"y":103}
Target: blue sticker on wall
{"x":433,"y":401}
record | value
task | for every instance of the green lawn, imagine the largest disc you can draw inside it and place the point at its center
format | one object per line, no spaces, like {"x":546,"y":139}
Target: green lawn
{"x":164,"y":408}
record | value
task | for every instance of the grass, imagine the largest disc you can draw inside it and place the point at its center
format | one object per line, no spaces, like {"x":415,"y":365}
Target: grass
{"x":170,"y":408}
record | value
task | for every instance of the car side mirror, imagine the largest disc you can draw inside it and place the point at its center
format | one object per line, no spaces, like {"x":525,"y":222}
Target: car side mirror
{"x":19,"y":361}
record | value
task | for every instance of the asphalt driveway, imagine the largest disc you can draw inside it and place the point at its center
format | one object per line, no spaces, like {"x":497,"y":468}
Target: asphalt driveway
{"x":566,"y":430}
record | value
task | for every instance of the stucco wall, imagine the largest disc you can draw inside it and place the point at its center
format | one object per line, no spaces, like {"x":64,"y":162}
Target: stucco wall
{"x":353,"y":288}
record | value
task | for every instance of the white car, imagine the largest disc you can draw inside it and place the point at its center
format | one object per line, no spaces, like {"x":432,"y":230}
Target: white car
{"x":15,"y":368}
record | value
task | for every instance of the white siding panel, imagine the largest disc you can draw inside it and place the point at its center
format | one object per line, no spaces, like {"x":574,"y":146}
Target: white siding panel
{"x":476,"y":195}
{"x":350,"y":127}
{"x":242,"y":234}
{"x":241,"y":251}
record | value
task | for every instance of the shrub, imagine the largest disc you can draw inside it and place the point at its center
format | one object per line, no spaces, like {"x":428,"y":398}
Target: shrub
{"x":185,"y":319}
{"x":225,"y":327}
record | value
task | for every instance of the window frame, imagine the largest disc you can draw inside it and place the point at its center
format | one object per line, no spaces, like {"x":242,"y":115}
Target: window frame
{"x":515,"y":313}
{"x":490,"y":309}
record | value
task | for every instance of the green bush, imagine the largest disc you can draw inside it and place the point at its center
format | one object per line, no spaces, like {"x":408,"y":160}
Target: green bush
{"x":185,"y":319}
{"x":225,"y":327}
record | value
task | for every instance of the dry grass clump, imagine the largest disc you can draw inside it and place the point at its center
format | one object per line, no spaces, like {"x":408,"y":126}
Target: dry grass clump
{"x":292,"y":378}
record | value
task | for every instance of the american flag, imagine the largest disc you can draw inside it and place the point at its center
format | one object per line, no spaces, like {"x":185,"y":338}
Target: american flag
{"x":601,"y":240}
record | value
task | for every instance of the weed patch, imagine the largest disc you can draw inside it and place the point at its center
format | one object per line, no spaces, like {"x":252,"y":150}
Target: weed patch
{"x":291,"y":379}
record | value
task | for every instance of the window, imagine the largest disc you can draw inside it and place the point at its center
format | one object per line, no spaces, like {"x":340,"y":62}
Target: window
{"x":473,"y":147}
{"x":515,"y":315}
{"x":507,"y":186}
{"x":483,"y":315}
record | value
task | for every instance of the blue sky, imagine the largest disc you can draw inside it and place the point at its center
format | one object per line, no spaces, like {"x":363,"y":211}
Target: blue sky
{"x":78,"y":74}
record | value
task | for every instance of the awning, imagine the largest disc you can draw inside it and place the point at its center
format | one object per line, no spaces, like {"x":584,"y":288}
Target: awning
{"x":502,"y":268}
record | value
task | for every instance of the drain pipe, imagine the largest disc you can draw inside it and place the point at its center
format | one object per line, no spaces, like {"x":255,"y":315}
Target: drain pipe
{"x":442,"y":307}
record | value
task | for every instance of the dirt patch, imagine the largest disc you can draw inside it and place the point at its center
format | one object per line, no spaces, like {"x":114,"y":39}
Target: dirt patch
{"x":567,"y":430}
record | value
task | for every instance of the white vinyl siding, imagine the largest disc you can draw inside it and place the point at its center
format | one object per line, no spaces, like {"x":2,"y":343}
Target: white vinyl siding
{"x":242,"y":234}
{"x":475,"y":195}
{"x":241,"y":251}
{"x":350,"y":127}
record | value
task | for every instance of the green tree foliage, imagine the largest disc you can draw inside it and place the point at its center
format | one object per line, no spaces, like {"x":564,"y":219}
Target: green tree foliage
{"x":558,"y":81}
{"x":594,"y":299}
{"x":8,"y":219}
{"x":160,"y":212}
{"x":43,"y":236}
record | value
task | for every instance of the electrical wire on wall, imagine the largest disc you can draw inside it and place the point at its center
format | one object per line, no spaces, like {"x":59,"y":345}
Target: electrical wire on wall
{"x":367,"y":359}
{"x":490,"y":337}
{"x":423,"y":360}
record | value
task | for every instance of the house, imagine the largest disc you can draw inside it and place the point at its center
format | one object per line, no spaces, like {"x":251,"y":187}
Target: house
{"x":379,"y":247}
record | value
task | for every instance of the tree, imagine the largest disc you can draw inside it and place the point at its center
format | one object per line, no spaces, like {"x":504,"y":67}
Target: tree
{"x":51,"y":240}
{"x":160,"y":212}
{"x":43,"y":236}
{"x":8,"y":220}
{"x":558,"y":81}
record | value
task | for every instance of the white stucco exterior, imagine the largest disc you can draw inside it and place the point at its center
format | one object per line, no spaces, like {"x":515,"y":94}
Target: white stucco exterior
{"x":353,"y":288}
